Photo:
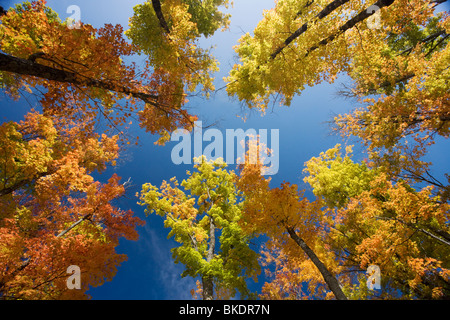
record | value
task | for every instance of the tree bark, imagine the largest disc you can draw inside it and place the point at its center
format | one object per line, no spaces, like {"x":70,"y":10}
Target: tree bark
{"x":208,"y":288}
{"x":329,"y":278}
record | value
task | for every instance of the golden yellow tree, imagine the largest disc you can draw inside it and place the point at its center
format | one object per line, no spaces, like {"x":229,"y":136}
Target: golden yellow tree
{"x":296,"y":228}
{"x":376,"y":221}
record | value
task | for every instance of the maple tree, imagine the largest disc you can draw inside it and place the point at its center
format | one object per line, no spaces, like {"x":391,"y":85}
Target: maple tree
{"x":324,"y":40}
{"x":336,"y":178}
{"x":53,"y":213}
{"x":80,"y":77}
{"x":368,"y":220}
{"x":80,"y":73}
{"x":272,"y":62}
{"x":405,"y":93}
{"x":403,"y":231}
{"x":204,"y":219}
{"x":399,"y":70}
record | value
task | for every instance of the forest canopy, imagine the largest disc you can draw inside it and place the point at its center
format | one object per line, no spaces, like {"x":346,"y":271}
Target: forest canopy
{"x":95,"y":101}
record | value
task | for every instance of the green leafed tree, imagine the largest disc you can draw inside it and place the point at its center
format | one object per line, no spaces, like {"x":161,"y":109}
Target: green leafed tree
{"x":168,"y":32}
{"x":203,"y":214}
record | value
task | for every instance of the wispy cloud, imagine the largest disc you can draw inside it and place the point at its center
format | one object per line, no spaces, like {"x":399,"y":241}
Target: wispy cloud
{"x":171,"y":285}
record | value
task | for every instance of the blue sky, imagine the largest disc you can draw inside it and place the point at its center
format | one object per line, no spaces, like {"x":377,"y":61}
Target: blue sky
{"x":150,"y":272}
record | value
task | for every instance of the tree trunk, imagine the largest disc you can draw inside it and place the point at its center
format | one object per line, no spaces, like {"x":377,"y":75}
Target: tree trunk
{"x":207,"y":281}
{"x":208,"y":288}
{"x":162,"y":21}
{"x":31,"y":68}
{"x":330,"y":279}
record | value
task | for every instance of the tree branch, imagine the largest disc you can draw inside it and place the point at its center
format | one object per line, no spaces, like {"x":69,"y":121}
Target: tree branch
{"x":22,"y":183}
{"x":425,"y":40}
{"x":322,"y":14}
{"x":416,"y":228}
{"x":351,"y":23}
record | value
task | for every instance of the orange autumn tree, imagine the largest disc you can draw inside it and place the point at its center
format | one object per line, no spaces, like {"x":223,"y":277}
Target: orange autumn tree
{"x":404,"y":232}
{"x":403,"y":84}
{"x":296,"y":229}
{"x":81,"y":73}
{"x":53,"y":214}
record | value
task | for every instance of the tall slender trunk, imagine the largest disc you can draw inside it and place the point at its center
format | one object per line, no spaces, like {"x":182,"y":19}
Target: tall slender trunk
{"x":208,"y":288}
{"x":329,"y":278}
{"x":207,"y":281}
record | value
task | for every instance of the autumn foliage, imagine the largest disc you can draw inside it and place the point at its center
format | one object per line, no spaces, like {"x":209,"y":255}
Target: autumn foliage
{"x":53,"y":213}
{"x":375,"y":221}
{"x":315,"y":240}
{"x":92,"y":80}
